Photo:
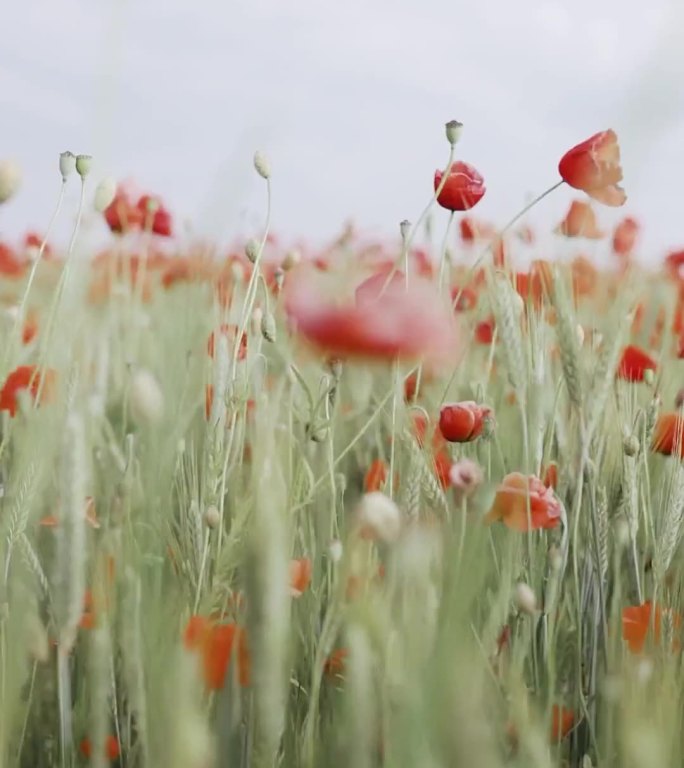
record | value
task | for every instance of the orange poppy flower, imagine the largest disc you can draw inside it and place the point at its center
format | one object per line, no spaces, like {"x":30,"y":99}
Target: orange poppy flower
{"x":594,"y":167}
{"x":634,"y":362}
{"x":550,"y":479}
{"x":668,"y":435}
{"x":625,"y":236}
{"x":580,"y":221}
{"x":335,"y":663}
{"x":511,"y":504}
{"x":376,"y":476}
{"x":112,"y":750}
{"x":300,"y":576}
{"x":25,"y":377}
{"x":562,"y":721}
{"x":639,"y":620}
{"x":584,"y":276}
{"x":215,"y":644}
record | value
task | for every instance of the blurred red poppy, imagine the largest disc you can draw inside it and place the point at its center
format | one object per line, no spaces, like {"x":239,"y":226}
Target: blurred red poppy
{"x":25,"y":378}
{"x":594,"y":167}
{"x":634,"y":363}
{"x":580,"y":221}
{"x":463,"y":189}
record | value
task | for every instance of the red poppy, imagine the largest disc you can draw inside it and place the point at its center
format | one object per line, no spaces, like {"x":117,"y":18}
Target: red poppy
{"x":215,"y":644}
{"x":463,"y":189}
{"x":463,"y":422}
{"x":230,"y":332}
{"x":111,"y":748}
{"x":32,"y":240}
{"x":634,"y":363}
{"x":550,"y":479}
{"x":187,"y":270}
{"x":300,"y":575}
{"x":562,"y":721}
{"x":475,"y":230}
{"x":594,"y":167}
{"x":580,"y":221}
{"x":639,"y":620}
{"x":335,"y":663}
{"x":511,"y":504}
{"x":154,"y":216}
{"x":625,"y":236}
{"x":376,"y":476}
{"x":399,"y":323}
{"x":374,"y":286}
{"x":10,"y":264}
{"x":442,"y":467}
{"x":674,"y":261}
{"x":484,"y":332}
{"x":463,"y":299}
{"x":668,"y":435}
{"x":25,"y":377}
{"x":121,"y":215}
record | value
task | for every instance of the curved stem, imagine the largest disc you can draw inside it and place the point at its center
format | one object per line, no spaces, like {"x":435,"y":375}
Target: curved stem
{"x":443,"y":252}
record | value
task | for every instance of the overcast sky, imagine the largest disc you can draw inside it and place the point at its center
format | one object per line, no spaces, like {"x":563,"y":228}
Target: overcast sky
{"x":348,"y":99}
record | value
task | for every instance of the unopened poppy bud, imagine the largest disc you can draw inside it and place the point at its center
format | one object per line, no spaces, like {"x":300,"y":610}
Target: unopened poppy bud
{"x":10,"y":179}
{"x":404,"y":229}
{"x":649,"y":377}
{"x":67,"y":164}
{"x":268,"y":327}
{"x":631,"y":445}
{"x":279,"y":277}
{"x":317,"y":433}
{"x":378,"y":517}
{"x":83,"y":163}
{"x":252,"y":249}
{"x":257,"y":317}
{"x":454,"y":129}
{"x":147,"y":400}
{"x":105,"y":192}
{"x":262,"y":165}
{"x":291,"y":259}
{"x":524,"y":599}
{"x":212,"y":517}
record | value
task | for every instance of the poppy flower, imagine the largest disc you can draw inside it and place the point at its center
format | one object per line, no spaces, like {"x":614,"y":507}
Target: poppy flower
{"x":442,"y":467}
{"x":511,"y":504}
{"x":533,"y":285}
{"x":186,"y":270}
{"x":300,"y":576}
{"x":154,"y":216}
{"x":463,"y":299}
{"x":472,"y":230}
{"x":33,"y":241}
{"x":584,"y":276}
{"x":463,"y":422}
{"x":121,"y":215}
{"x":10,"y":264}
{"x":484,"y":332}
{"x":400,"y":323}
{"x":215,"y":644}
{"x":634,"y":363}
{"x":463,"y":189}
{"x":625,"y":236}
{"x":674,"y":261}
{"x":580,"y":221}
{"x":639,"y":620}
{"x":112,"y":750}
{"x":230,"y":332}
{"x":550,"y":479}
{"x":335,"y":663}
{"x":594,"y":167}
{"x":562,"y":721}
{"x":668,"y":434}
{"x":376,"y":476}
{"x":374,"y":286}
{"x":24,"y":377}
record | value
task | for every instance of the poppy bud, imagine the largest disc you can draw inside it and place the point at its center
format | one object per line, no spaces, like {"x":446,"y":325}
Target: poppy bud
{"x":525,"y":599}
{"x":252,"y":249}
{"x":379,"y":517}
{"x":404,"y":229}
{"x":212,"y":517}
{"x":67,"y":164}
{"x":279,"y":277}
{"x":291,"y":259}
{"x":454,"y":129}
{"x":147,"y":400}
{"x":631,"y":445}
{"x":257,"y":317}
{"x":268,"y":327}
{"x":10,"y":179}
{"x":105,"y":192}
{"x":262,"y":165}
{"x":83,"y":163}
{"x":649,"y":377}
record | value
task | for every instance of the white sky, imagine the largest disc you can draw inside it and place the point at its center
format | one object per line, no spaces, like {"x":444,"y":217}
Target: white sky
{"x":348,"y":99}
